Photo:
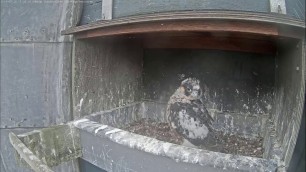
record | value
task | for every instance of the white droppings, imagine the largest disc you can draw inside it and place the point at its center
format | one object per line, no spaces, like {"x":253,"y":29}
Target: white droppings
{"x":237,"y":91}
{"x":100,"y":128}
{"x":79,"y":121}
{"x":166,"y":146}
{"x":113,"y":131}
{"x":79,"y":106}
{"x":269,"y":107}
{"x":195,"y":109}
{"x":27,"y":151}
{"x":245,"y":106}
{"x":33,"y":158}
{"x":54,"y":152}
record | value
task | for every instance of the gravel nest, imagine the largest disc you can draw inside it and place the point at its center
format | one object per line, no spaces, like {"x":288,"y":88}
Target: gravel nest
{"x":225,"y":143}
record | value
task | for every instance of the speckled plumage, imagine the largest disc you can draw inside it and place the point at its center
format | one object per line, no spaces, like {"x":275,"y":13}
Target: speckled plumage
{"x":187,"y":114}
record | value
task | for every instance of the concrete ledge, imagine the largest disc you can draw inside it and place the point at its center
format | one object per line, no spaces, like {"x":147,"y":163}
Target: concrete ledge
{"x":94,"y":134}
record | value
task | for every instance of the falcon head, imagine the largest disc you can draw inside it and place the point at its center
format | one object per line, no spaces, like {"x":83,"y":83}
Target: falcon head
{"x":191,"y":88}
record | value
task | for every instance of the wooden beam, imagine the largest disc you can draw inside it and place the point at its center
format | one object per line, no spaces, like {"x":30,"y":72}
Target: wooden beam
{"x":202,"y":16}
{"x":212,"y":42}
{"x":184,"y":26}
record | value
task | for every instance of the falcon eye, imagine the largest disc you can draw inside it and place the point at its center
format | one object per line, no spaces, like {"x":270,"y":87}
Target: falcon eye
{"x":188,"y":89}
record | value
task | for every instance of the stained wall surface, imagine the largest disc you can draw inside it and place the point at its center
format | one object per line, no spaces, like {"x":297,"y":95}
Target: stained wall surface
{"x":35,"y":71}
{"x":106,"y":74}
{"x":289,"y":100}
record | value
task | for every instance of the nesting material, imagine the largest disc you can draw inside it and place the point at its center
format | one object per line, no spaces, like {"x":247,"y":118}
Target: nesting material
{"x":224,"y":143}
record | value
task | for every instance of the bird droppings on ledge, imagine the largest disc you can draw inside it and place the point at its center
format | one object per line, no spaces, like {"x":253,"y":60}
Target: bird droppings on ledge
{"x":225,"y":143}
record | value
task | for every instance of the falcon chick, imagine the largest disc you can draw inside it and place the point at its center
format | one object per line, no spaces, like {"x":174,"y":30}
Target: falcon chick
{"x":187,"y":115}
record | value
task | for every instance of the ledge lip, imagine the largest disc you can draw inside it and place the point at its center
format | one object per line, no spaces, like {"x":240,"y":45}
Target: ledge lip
{"x":176,"y":152}
{"x":223,"y":15}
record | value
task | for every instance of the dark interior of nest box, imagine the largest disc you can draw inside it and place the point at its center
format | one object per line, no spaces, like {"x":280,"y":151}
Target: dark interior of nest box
{"x":252,"y":82}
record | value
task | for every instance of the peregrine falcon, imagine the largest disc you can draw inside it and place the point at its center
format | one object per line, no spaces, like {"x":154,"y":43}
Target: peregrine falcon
{"x":187,"y":114}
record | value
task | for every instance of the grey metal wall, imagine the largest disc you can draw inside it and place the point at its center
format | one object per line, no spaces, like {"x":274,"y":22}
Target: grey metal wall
{"x":107,"y":74}
{"x":289,"y":100}
{"x":35,"y":71}
{"x":124,"y":8}
{"x":93,"y":9}
{"x":296,"y":8}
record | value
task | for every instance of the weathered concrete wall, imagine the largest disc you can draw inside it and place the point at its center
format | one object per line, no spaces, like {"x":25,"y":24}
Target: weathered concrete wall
{"x":106,"y":74}
{"x":240,"y":83}
{"x":35,"y":71}
{"x":289,"y":100}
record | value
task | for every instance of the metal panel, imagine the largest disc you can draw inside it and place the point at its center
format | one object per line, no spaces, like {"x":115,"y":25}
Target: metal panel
{"x":296,"y":8}
{"x":35,"y":84}
{"x":35,"y":22}
{"x":290,"y":92}
{"x":91,"y":13}
{"x":136,"y":7}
